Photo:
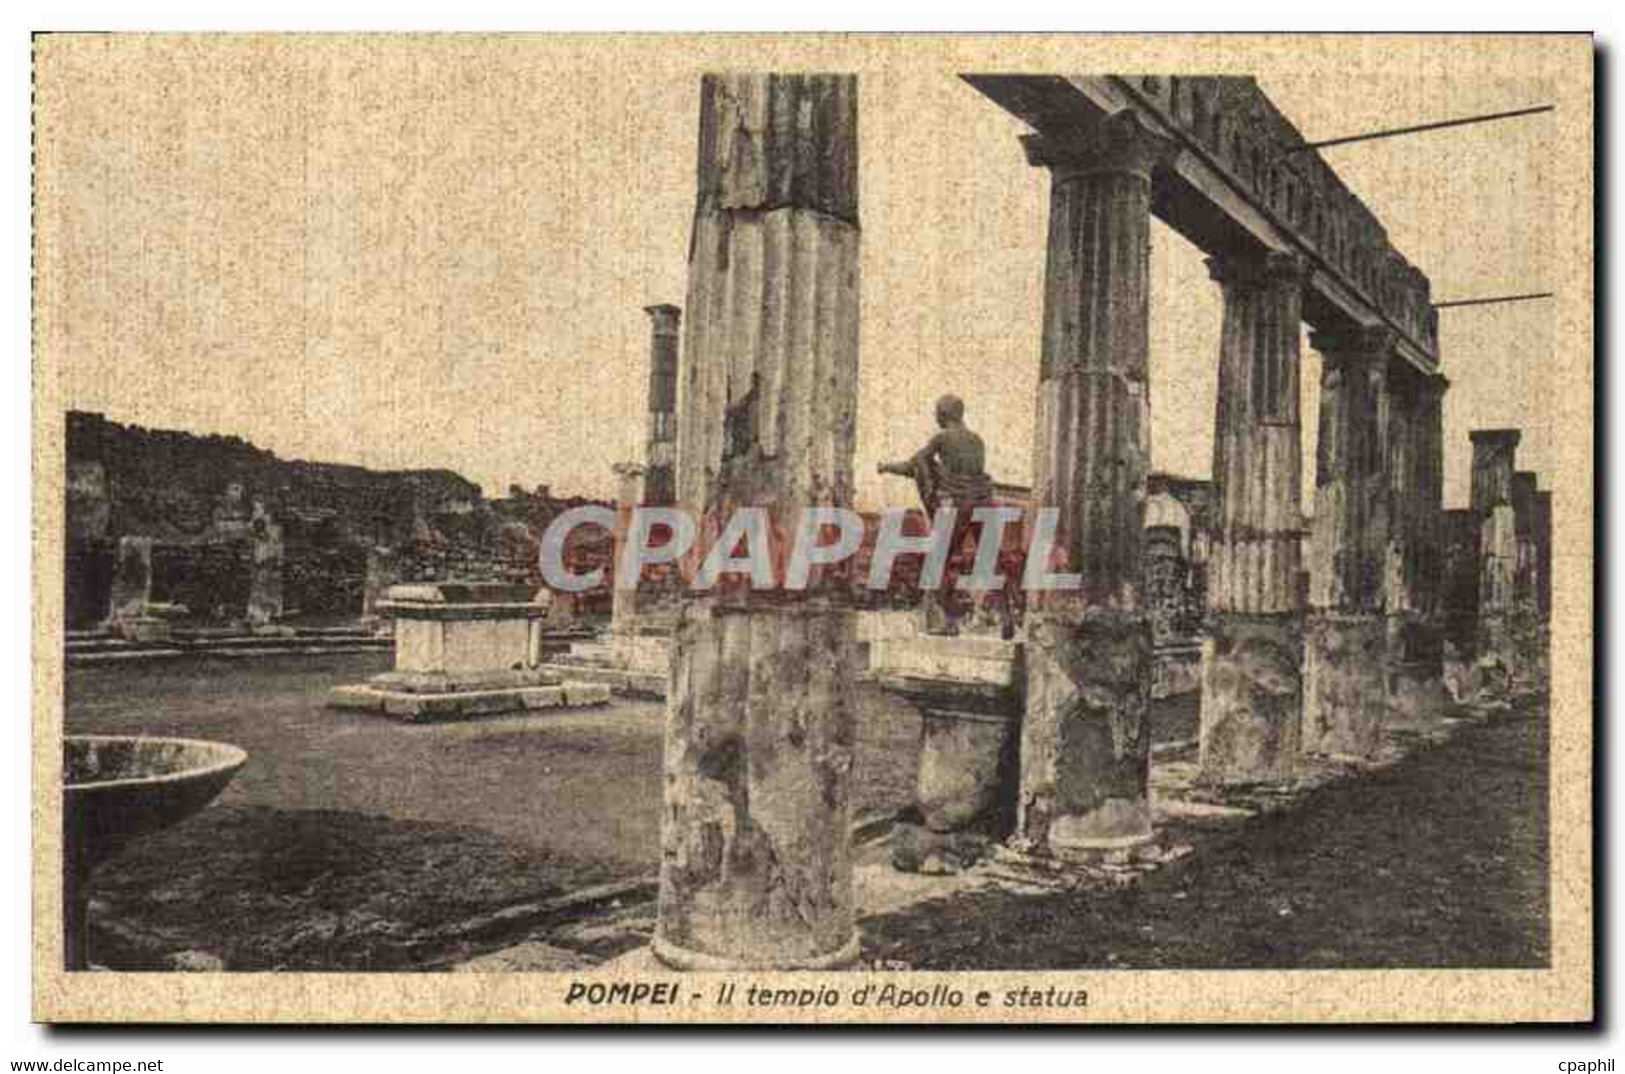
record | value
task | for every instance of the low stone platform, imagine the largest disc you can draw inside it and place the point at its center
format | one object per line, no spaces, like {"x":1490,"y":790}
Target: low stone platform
{"x":410,"y":707}
{"x":624,"y":682}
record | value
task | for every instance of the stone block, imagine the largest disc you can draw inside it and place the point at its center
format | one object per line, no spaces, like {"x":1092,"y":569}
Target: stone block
{"x":546,"y":697}
{"x":960,"y":659}
{"x":586,"y":693}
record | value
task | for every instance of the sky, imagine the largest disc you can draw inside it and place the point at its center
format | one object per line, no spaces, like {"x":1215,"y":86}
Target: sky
{"x":413,"y":252}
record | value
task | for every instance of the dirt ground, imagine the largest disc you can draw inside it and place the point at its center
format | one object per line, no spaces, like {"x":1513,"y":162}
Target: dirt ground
{"x":352,"y":842}
{"x":1439,"y":861}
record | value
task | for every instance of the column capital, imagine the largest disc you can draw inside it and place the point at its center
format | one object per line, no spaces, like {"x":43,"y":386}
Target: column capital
{"x":664,"y":318}
{"x":1252,"y":270}
{"x":1355,"y":341}
{"x":1120,"y":143}
{"x":1434,"y":385}
{"x":1492,"y":438}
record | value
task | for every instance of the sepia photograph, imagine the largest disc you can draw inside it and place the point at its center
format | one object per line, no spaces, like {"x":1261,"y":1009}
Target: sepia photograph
{"x":787,"y":528}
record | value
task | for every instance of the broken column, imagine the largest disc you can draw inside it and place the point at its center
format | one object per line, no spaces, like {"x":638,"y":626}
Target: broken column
{"x":660,"y":449}
{"x":1252,"y":696}
{"x":1494,"y":463}
{"x":756,"y":865}
{"x":1345,"y":693}
{"x":1086,"y":740}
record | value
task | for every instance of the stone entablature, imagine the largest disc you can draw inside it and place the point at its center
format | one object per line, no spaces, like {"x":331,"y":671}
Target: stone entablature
{"x":1238,"y":128}
{"x":1236,"y":155}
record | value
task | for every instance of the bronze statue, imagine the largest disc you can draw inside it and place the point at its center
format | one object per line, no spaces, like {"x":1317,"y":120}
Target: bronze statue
{"x":950,"y":471}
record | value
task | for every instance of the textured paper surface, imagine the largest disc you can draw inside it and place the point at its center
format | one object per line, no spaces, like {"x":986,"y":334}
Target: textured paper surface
{"x":170,"y":172}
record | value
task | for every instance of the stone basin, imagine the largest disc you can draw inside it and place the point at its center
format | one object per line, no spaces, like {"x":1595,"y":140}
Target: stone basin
{"x":117,"y":788}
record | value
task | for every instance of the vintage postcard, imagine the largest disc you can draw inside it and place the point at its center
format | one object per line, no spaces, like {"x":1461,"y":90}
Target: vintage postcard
{"x":824,"y":528}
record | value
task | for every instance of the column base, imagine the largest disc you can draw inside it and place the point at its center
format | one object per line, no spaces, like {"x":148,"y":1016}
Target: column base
{"x":1415,"y":673}
{"x":1345,"y":690}
{"x":682,"y":958}
{"x":1086,"y":741}
{"x":1252,"y":698}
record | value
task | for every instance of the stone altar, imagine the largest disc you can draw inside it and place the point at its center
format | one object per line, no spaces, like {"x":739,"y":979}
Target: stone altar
{"x":465,"y":649}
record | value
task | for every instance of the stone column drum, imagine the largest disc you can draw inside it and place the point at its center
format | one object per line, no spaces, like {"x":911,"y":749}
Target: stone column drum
{"x":1345,"y":692}
{"x":1086,"y":739}
{"x":756,"y":846}
{"x":1252,"y":695}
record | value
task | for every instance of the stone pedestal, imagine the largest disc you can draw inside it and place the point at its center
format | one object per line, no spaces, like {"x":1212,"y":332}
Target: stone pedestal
{"x":969,"y":694}
{"x":756,"y":863}
{"x":1345,"y":675}
{"x":463,"y":650}
{"x":1252,"y":697}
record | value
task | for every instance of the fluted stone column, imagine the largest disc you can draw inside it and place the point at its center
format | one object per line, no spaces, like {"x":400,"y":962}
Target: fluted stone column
{"x":756,"y":868}
{"x":1252,"y":696}
{"x":1346,"y":639}
{"x":1494,"y":463}
{"x":1086,"y":740}
{"x":1414,"y":563}
{"x":660,"y":448}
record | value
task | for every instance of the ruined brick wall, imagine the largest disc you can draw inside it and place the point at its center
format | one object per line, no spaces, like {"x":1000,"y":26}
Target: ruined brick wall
{"x":193,"y":495}
{"x":211,"y":577}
